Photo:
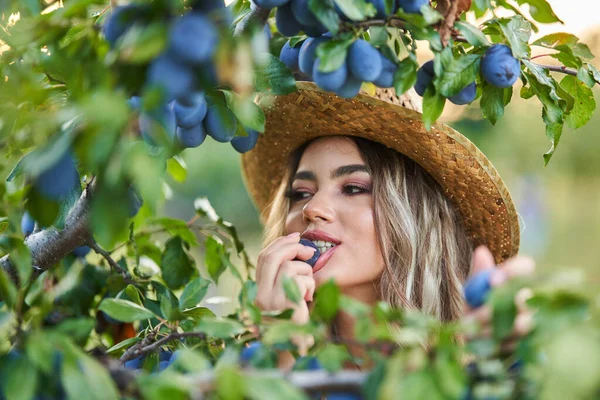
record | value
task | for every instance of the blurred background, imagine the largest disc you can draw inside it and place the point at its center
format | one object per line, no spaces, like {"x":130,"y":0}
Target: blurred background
{"x":559,"y":205}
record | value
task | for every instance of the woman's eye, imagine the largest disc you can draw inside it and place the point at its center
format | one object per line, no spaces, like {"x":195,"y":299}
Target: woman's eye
{"x":295,"y":195}
{"x":354,"y":189}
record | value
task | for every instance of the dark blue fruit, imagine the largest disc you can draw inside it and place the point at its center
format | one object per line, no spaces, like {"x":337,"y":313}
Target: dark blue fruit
{"x":134,"y":364}
{"x":174,"y":357}
{"x":386,"y":78}
{"x":159,"y":125}
{"x":190,"y":116}
{"x":135,"y":201}
{"x":364,"y":61}
{"x":193,"y":38}
{"x":343,"y":396}
{"x":313,"y":260}
{"x":314,"y":30}
{"x":330,"y":81}
{"x":191,"y":137}
{"x":270,"y":3}
{"x":81,"y":251}
{"x":162,"y":365}
{"x":425,"y":75}
{"x":350,"y":88}
{"x":380,"y":6}
{"x":220,"y":124}
{"x":478,"y":287}
{"x":165,"y":355}
{"x":465,"y":96}
{"x":242,"y":144}
{"x":412,"y":6}
{"x":192,"y":98}
{"x":135,"y":102}
{"x":59,"y":179}
{"x":303,"y":13}
{"x":499,"y":67}
{"x":174,"y":78}
{"x":27,"y":224}
{"x":286,"y":22}
{"x":249,"y":351}
{"x":289,"y":56}
{"x":119,"y":21}
{"x":308,"y":54}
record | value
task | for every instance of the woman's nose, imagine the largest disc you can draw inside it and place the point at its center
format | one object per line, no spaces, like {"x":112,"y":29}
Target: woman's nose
{"x":318,"y":208}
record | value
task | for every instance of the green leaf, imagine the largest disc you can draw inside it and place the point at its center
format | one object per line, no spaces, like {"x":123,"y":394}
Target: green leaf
{"x":556,"y":39}
{"x":169,"y":307}
{"x":124,"y":310}
{"x":517,"y":31}
{"x":83,"y":377}
{"x":584,"y":105}
{"x":541,"y":11}
{"x":142,"y":43}
{"x":378,"y":35}
{"x":332,"y":53}
{"x":8,"y":291}
{"x":213,"y":258}
{"x":176,"y":264}
{"x":177,"y":169}
{"x":431,"y":15}
{"x":292,"y":292}
{"x":333,"y":356}
{"x":327,"y":300}
{"x":473,"y":35}
{"x":502,"y":300}
{"x":276,"y":77}
{"x":205,"y":209}
{"x":133,"y":294}
{"x":433,"y":106}
{"x":261,"y":388}
{"x":198,"y":313}
{"x":461,"y":72}
{"x":193,"y":293}
{"x":326,"y":14}
{"x":245,"y":110}
{"x":220,"y":327}
{"x":18,"y":373}
{"x":493,"y":101}
{"x":356,"y":10}
{"x":405,"y":76}
{"x":176,"y":227}
{"x":124,"y":344}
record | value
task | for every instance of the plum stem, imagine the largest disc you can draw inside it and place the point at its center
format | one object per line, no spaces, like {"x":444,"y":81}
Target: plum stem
{"x":113,"y":264}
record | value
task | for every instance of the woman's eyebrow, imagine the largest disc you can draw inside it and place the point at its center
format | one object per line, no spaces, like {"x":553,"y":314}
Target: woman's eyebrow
{"x":338,"y":172}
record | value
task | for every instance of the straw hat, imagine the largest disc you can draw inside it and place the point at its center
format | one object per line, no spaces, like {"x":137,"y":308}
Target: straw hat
{"x":467,"y":176}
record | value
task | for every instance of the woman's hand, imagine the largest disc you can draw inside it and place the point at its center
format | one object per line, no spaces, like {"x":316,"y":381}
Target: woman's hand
{"x":511,"y":268}
{"x":278,"y":261}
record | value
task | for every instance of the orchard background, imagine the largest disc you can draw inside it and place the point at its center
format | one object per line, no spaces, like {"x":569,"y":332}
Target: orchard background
{"x":89,"y":136}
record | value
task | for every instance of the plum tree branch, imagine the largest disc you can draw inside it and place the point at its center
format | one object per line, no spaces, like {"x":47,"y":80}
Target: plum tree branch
{"x":49,"y":246}
{"x":257,"y":15}
{"x":113,"y":264}
{"x":561,"y":69}
{"x":147,"y":345}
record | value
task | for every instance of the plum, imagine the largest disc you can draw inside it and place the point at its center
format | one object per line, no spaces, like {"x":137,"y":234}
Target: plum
{"x":27,"y":224}
{"x":243,"y":144}
{"x":477,"y":288}
{"x":313,"y":260}
{"x":330,"y":81}
{"x":220,"y":124}
{"x":135,"y":363}
{"x":191,"y":137}
{"x":249,"y":351}
{"x":308,"y":54}
{"x":388,"y":70}
{"x":135,"y":201}
{"x":158,"y":124}
{"x":270,"y":3}
{"x":174,"y":78}
{"x":380,"y":6}
{"x":286,"y":22}
{"x":412,"y":6}
{"x":289,"y":56}
{"x":190,"y":116}
{"x":314,"y":30}
{"x":120,"y":20}
{"x":302,"y":13}
{"x":465,"y":96}
{"x":81,"y":251}
{"x":59,"y":179}
{"x":364,"y":61}
{"x":499,"y":67}
{"x":193,"y":38}
{"x":425,"y":75}
{"x":350,"y":88}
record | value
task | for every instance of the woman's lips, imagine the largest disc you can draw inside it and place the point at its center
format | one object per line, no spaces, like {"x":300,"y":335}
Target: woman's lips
{"x":324,"y":258}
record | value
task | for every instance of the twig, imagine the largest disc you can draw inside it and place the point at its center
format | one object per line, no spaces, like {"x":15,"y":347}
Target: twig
{"x":147,"y":346}
{"x":107,"y":257}
{"x":561,"y":69}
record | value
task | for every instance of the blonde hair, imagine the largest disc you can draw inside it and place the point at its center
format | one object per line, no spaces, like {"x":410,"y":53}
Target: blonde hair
{"x":426,"y":251}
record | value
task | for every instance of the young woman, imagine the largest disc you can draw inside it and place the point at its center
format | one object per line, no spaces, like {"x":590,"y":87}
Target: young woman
{"x":399,"y":212}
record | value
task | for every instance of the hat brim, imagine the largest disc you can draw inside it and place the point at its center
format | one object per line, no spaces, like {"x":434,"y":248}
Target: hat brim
{"x":468,"y":178}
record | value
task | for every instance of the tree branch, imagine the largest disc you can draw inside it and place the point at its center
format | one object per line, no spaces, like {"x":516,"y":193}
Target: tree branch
{"x":113,"y":264}
{"x":50,"y":245}
{"x":257,"y":15}
{"x":561,"y":69}
{"x":147,"y":345}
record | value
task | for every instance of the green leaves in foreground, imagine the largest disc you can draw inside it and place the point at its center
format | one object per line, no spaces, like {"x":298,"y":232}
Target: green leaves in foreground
{"x":124,"y":310}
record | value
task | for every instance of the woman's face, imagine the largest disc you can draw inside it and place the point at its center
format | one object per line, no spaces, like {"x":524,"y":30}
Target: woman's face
{"x":331,"y":193}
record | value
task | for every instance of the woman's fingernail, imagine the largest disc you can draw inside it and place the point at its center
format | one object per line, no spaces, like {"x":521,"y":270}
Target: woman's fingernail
{"x":294,"y":234}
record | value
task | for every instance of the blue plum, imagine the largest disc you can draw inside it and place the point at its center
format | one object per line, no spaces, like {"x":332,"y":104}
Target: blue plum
{"x":308,"y":54}
{"x":134,"y":364}
{"x":311,"y":261}
{"x":135,"y":201}
{"x":286,"y":22}
{"x":220,"y":124}
{"x":343,"y":396}
{"x":192,"y":98}
{"x":380,"y":6}
{"x":425,"y":75}
{"x":119,"y":21}
{"x":330,"y":81}
{"x":27,"y":224}
{"x":249,"y":351}
{"x":364,"y":61}
{"x":412,"y":6}
{"x":190,"y":116}
{"x":191,"y":137}
{"x":499,"y":67}
{"x":207,"y":6}
{"x":243,"y":144}
{"x":350,"y":88}
{"x":165,"y":355}
{"x":159,"y":125}
{"x":389,"y":68}
{"x":289,"y":56}
{"x":135,"y":102}
{"x":193,"y":38}
{"x":465,"y":96}
{"x":59,"y":179}
{"x":162,"y":365}
{"x":478,"y":287}
{"x":81,"y":251}
{"x":174,"y":357}
{"x":302,"y":13}
{"x":174,"y":78}
{"x":270,"y":3}
{"x":314,"y":30}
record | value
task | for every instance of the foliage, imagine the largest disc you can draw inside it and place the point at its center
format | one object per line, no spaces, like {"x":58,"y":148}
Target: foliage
{"x":120,"y":92}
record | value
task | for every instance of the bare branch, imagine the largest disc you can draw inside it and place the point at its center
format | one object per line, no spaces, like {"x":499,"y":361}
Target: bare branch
{"x":107,"y":257}
{"x":560,"y":69}
{"x":147,"y":346}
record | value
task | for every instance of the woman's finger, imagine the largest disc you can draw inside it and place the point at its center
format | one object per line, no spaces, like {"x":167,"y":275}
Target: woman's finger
{"x":291,"y":238}
{"x":521,"y":298}
{"x":272,"y":260}
{"x":514,"y":267}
